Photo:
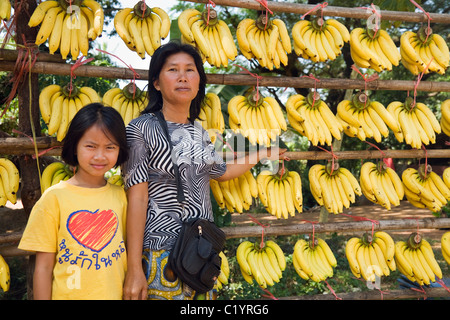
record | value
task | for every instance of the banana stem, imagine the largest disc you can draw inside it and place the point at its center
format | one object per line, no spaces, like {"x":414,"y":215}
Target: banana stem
{"x":361,"y":100}
{"x":141,"y":9}
{"x":414,"y":240}
{"x":424,"y":34}
{"x":131,"y":91}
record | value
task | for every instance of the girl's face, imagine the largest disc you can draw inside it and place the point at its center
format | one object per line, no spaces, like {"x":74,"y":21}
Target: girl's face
{"x":178,"y":80}
{"x":96,"y":154}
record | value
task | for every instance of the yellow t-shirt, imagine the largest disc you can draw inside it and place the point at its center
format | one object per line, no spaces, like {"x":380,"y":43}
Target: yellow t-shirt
{"x":85,"y":227}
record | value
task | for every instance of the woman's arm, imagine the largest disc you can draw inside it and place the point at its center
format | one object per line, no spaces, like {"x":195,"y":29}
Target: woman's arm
{"x":135,"y":287}
{"x":43,"y":275}
{"x":241,"y":165}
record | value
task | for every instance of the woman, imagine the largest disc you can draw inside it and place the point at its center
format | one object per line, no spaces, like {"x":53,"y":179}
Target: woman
{"x":176,"y":87}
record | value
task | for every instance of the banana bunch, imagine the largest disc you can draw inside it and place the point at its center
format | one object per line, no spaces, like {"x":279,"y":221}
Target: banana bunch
{"x":312,"y":118}
{"x":5,"y":9}
{"x":372,"y":50}
{"x":424,"y":188}
{"x":313,"y":261}
{"x":58,"y":106}
{"x":445,"y":118}
{"x":68,"y":27}
{"x":419,"y":50}
{"x":116,"y":179}
{"x":415,"y":259}
{"x":211,"y":116}
{"x":5,"y":279}
{"x":445,"y":246}
{"x":335,"y":189}
{"x":129,"y":101}
{"x":211,"y":36}
{"x":381,"y":184}
{"x":54,"y":173}
{"x":236,"y":194}
{"x":417,"y":122}
{"x":264,"y":265}
{"x":364,"y":118}
{"x":280,"y":193}
{"x":266,"y":40}
{"x":319,"y":40}
{"x":258,"y":118}
{"x":222,"y":279}
{"x":446,"y":177}
{"x":371,"y":256}
{"x":141,"y":28}
{"x":9,"y":181}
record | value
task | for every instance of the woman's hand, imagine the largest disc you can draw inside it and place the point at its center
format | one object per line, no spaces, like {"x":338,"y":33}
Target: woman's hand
{"x":273,"y":153}
{"x":135,"y":287}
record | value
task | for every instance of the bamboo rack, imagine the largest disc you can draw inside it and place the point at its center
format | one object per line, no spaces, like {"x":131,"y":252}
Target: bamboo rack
{"x":62,"y":69}
{"x":344,"y":12}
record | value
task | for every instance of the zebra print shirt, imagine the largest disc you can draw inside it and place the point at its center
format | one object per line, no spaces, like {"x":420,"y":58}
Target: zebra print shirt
{"x":150,"y":161}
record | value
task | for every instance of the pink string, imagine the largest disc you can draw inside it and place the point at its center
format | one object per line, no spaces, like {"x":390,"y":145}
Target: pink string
{"x":366,"y":78}
{"x":333,"y":156}
{"x":315,"y":86}
{"x":208,"y":7}
{"x":374,"y":222}
{"x":266,"y":6}
{"x":257,"y":77}
{"x":426,"y":13}
{"x":78,"y":63}
{"x":261,"y":245}
{"x":320,"y":5}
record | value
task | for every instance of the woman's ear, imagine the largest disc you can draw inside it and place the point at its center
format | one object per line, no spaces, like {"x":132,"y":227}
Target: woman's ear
{"x":156,"y":84}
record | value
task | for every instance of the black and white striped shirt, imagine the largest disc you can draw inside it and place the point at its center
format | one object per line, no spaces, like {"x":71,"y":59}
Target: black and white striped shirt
{"x":150,"y":161}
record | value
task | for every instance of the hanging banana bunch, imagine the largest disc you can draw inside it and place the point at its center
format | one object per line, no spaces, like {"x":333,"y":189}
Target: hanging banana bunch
{"x":445,"y":246}
{"x":371,"y":256}
{"x":5,"y":10}
{"x":373,"y":49}
{"x":415,"y":259}
{"x":222,"y":279}
{"x":5,"y":277}
{"x":265,"y":264}
{"x":313,"y":260}
{"x":236,"y":194}
{"x":417,"y":122}
{"x":381,"y":184}
{"x":58,"y":106}
{"x":319,"y":40}
{"x":424,"y":188}
{"x":68,"y":26}
{"x":54,"y":173}
{"x":266,"y":40}
{"x":334,"y":189}
{"x":210,"y":35}
{"x":258,"y":118}
{"x":211,"y":116}
{"x":445,"y":117}
{"x":9,"y":181}
{"x":364,"y":118}
{"x":312,"y":118}
{"x":141,"y":28}
{"x":129,"y":101}
{"x":424,"y":51}
{"x":280,"y":193}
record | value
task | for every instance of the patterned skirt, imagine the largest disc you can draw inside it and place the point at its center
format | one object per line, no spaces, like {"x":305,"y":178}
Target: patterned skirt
{"x":161,"y":288}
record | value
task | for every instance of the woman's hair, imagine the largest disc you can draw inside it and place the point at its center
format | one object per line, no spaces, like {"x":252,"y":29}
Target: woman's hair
{"x":156,"y":63}
{"x":107,"y":118}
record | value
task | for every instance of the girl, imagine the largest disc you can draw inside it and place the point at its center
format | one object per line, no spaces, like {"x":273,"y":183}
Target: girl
{"x":176,"y":87}
{"x":77,"y":227}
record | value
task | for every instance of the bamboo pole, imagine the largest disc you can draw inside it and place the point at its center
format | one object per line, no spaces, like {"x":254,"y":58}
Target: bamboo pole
{"x":338,"y":227}
{"x":334,"y":11}
{"x":239,"y":79}
{"x":22,"y":146}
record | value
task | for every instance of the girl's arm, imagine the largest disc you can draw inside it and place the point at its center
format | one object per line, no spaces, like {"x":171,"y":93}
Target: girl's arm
{"x":135,"y":287}
{"x":43,"y":275}
{"x":242,"y":165}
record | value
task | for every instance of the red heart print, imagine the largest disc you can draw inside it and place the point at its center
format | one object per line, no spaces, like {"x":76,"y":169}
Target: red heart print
{"x":93,"y":230}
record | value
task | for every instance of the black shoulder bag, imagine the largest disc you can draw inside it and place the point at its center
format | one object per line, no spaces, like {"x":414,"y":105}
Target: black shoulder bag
{"x":195,"y":256}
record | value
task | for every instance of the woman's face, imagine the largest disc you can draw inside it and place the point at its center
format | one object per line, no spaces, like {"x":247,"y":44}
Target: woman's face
{"x":178,"y":80}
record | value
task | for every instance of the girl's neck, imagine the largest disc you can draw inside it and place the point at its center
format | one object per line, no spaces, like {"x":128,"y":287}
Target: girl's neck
{"x":79,"y":181}
{"x":175,"y":114}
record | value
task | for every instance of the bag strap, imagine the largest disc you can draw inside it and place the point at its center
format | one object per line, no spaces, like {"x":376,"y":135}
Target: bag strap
{"x":163,"y":123}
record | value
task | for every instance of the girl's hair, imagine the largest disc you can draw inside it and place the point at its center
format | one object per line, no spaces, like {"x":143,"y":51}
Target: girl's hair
{"x":156,"y":63}
{"x":107,"y":118}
